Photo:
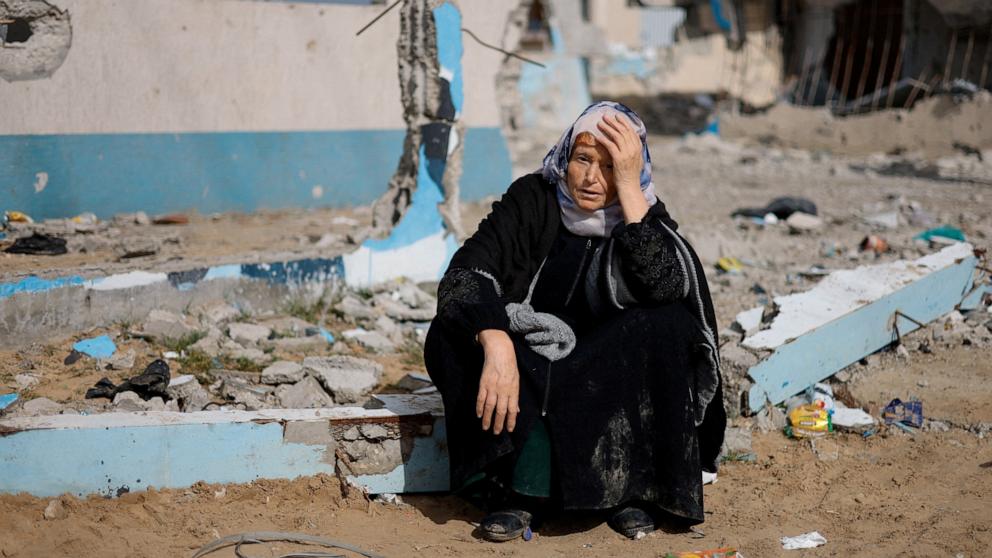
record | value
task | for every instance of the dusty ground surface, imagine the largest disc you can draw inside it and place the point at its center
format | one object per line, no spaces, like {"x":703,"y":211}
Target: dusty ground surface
{"x":891,"y":493}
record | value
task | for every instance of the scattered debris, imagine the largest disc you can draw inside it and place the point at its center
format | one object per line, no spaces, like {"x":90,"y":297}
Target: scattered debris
{"x":909,"y":413}
{"x":812,"y":539}
{"x":38,"y":244}
{"x":942,"y":235}
{"x":347,"y":378}
{"x":97,"y":347}
{"x":874,"y":243}
{"x":283,"y":372}
{"x":153,"y":382}
{"x":248,"y":333}
{"x":781,"y":208}
{"x":171,"y":219}
{"x":7,"y":399}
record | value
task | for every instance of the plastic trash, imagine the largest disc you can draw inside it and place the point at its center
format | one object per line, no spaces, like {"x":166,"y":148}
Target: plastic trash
{"x":96,"y":347}
{"x":781,"y":207}
{"x":812,"y":539}
{"x":851,"y":419}
{"x":714,"y":553}
{"x":809,"y":421}
{"x":730,"y":265}
{"x":7,"y":400}
{"x":874,"y":243}
{"x":945,"y":232}
{"x":909,"y":413}
{"x":18,"y":217}
{"x":38,"y":244}
{"x":327,"y":335}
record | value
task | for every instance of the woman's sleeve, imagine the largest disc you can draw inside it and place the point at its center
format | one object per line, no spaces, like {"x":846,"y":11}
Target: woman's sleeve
{"x":470,"y":295}
{"x":469,"y":301}
{"x":645,"y":265}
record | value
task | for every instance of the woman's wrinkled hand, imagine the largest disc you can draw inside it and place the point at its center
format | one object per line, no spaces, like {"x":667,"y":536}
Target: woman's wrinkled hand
{"x":624,"y":146}
{"x":499,"y":387}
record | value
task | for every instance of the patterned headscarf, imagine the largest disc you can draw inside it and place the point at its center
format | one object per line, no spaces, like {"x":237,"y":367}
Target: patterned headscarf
{"x":600,"y":222}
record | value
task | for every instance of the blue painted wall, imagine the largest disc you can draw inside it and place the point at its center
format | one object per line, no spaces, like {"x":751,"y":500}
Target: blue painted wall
{"x":223,"y":171}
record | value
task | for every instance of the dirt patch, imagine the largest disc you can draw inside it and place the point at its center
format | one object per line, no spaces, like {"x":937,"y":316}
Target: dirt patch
{"x":890,"y":494}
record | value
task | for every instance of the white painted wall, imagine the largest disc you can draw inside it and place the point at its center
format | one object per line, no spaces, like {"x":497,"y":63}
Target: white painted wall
{"x":226,"y":65}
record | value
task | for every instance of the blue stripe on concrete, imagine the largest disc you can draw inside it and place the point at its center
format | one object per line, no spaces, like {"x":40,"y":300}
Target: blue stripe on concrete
{"x":815,"y":355}
{"x":36,"y":285}
{"x":422,"y":218}
{"x":221,"y":171}
{"x":85,"y":461}
{"x":448,"y":22}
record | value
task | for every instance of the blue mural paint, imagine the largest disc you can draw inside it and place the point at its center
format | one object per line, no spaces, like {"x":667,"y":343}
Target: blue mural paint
{"x":632,"y":64}
{"x":221,"y":171}
{"x":721,"y":21}
{"x":448,"y":22}
{"x":422,"y":218}
{"x":96,"y":347}
{"x":295,"y":272}
{"x":7,"y":400}
{"x":35,"y":284}
{"x":97,"y":460}
{"x":232,"y":271}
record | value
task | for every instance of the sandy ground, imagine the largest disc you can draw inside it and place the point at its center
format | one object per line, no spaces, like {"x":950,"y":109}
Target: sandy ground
{"x":889,"y":494}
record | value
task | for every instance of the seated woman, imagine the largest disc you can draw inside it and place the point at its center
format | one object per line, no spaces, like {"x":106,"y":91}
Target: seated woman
{"x":574,"y":344}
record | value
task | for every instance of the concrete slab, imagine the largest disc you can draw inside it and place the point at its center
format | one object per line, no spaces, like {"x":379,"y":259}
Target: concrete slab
{"x":113,"y":453}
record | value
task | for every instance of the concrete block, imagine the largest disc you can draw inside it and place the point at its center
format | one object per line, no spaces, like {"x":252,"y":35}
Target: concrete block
{"x":162,"y":325}
{"x":40,"y":406}
{"x":348,"y":378}
{"x":283,"y":372}
{"x":353,"y":308}
{"x":248,"y":333}
{"x":305,"y":394}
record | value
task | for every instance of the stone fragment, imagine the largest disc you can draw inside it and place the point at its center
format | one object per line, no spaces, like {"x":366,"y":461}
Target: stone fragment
{"x":374,"y":431}
{"x":353,"y":308}
{"x":414,"y":381}
{"x":825,"y":449}
{"x":40,"y":406}
{"x":351,"y":434}
{"x":770,"y":419}
{"x":803,"y":222}
{"x":305,"y":394}
{"x":244,"y":392}
{"x":189,"y":393}
{"x":131,"y":247}
{"x":347,"y":378}
{"x":289,"y":326}
{"x":736,"y":441}
{"x":299,"y":344}
{"x":121,"y":360}
{"x":282,"y":372}
{"x":256,"y":356}
{"x":735,"y":356}
{"x":386,"y":326}
{"x":414,"y":297}
{"x":162,"y":325}
{"x":376,"y":342}
{"x":172,"y":406}
{"x":887,"y":220}
{"x":399,"y":311}
{"x":129,"y":401}
{"x":55,"y":510}
{"x":248,"y":333}
{"x":218,"y":313}
{"x":26,"y":381}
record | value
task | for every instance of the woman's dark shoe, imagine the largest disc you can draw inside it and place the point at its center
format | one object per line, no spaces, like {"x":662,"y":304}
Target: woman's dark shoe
{"x":505,"y":525}
{"x":630,"y":520}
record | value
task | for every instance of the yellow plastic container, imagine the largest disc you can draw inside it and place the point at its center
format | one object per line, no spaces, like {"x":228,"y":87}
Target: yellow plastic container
{"x":810,"y":421}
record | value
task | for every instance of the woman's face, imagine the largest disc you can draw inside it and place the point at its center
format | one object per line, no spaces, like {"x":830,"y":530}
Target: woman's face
{"x":590,"y":174}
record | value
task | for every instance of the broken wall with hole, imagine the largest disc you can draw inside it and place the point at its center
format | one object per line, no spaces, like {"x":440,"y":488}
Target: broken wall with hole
{"x":219,"y":106}
{"x":661,"y":50}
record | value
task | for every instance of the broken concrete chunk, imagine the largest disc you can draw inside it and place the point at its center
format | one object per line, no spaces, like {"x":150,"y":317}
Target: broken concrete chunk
{"x":129,"y":401}
{"x":26,"y":381}
{"x":355,"y":309}
{"x":290,"y":326}
{"x":256,"y":356}
{"x":374,"y":431}
{"x":737,"y":357}
{"x":803,"y":222}
{"x":55,"y":510}
{"x":162,"y":325}
{"x":40,"y":406}
{"x":189,"y":393}
{"x":218,"y":313}
{"x":351,"y":434}
{"x":349,"y":379}
{"x":399,"y":311}
{"x":136,"y":247}
{"x":305,"y":394}
{"x":414,"y":297}
{"x":736,"y":441}
{"x":770,"y":419}
{"x":749,"y":321}
{"x":283,"y":372}
{"x":244,"y":392}
{"x":887,"y":220}
{"x":248,"y":333}
{"x":299,"y":344}
{"x":376,"y":342}
{"x":414,"y":381}
{"x":122,"y":360}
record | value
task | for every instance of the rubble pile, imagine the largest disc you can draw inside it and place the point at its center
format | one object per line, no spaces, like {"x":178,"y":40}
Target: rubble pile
{"x":221,"y":357}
